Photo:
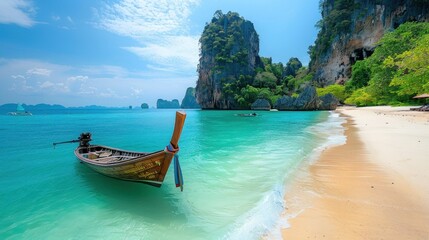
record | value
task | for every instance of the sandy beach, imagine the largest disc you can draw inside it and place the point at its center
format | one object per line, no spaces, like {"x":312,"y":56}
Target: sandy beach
{"x":375,"y":186}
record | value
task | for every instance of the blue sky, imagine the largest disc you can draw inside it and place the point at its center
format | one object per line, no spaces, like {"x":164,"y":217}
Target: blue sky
{"x":126,"y":52}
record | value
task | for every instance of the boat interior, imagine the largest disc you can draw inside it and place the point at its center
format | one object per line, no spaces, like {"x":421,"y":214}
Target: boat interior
{"x":107,"y":155}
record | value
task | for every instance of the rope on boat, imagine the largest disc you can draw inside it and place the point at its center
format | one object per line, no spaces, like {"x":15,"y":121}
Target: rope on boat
{"x":178,"y":177}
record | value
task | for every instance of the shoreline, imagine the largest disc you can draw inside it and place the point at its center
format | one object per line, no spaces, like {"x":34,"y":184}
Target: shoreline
{"x":372,"y":187}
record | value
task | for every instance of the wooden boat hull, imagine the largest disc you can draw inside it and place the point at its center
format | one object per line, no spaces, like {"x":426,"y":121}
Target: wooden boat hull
{"x":149,"y":168}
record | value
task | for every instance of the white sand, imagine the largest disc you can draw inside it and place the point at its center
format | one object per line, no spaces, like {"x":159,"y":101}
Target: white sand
{"x":376,"y":186}
{"x":397,"y":139}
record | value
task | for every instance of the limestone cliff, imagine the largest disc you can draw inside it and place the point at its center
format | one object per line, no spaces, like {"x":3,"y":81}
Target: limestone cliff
{"x":350,"y":30}
{"x":229,"y":55}
{"x":189,"y":101}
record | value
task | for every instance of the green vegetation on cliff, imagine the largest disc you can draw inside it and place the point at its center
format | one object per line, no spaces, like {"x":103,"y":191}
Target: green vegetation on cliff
{"x":335,"y":89}
{"x":335,"y":21}
{"x":231,"y":73}
{"x":225,"y":38}
{"x":397,"y":71}
{"x":271,"y":82}
{"x":228,"y":57}
{"x":233,"y":76}
{"x":393,"y":74}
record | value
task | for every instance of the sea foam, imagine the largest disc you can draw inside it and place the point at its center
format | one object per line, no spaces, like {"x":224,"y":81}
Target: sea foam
{"x":266,"y":219}
{"x":261,"y":219}
{"x":331,"y":133}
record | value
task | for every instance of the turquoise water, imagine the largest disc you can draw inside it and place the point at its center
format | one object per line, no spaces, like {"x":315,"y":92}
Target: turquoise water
{"x":234,"y":170}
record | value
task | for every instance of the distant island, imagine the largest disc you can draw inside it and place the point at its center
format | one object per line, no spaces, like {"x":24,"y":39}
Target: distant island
{"x":188,"y":102}
{"x":144,"y":106}
{"x":165,"y":104}
{"x":10,"y":107}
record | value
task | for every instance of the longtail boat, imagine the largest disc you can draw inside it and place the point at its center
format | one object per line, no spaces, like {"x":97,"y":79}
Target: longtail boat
{"x":149,"y":168}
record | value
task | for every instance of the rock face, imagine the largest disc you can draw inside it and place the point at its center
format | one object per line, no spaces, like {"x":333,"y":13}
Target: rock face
{"x":307,"y":101}
{"x":368,"y":22}
{"x":328,"y":102}
{"x":189,"y":101}
{"x":261,"y":104}
{"x":229,"y":53}
{"x":161,"y":103}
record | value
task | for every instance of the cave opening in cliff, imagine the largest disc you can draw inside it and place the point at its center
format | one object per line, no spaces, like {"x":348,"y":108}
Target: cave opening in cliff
{"x":360,"y":54}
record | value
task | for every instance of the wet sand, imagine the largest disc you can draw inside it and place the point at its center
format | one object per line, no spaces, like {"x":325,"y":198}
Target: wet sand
{"x":376,"y":186}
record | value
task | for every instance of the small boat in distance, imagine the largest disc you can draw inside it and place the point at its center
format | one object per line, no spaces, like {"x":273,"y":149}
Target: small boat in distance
{"x":149,"y":168}
{"x":20,"y":111}
{"x":247,"y":114}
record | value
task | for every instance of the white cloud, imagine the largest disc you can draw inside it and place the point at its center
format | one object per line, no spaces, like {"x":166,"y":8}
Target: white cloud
{"x":46,"y":84}
{"x":17,"y":12}
{"x":39,"y":71}
{"x":161,"y":26}
{"x":140,"y":19}
{"x":18,"y":76}
{"x":173,"y":51}
{"x":78,"y":78}
{"x":106,"y":71}
{"x":136,"y":92}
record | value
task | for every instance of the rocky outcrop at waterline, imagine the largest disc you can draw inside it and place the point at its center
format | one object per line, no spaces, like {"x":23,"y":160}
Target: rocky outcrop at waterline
{"x":328,"y":102}
{"x":308,"y":100}
{"x":350,"y":30}
{"x":261,"y":104}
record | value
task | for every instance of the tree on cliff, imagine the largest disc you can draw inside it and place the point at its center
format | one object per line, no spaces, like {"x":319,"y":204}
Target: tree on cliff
{"x":337,"y":19}
{"x":292,"y":67}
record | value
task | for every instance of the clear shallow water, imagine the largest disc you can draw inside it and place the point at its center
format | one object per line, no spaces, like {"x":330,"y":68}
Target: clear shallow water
{"x":234,"y":170}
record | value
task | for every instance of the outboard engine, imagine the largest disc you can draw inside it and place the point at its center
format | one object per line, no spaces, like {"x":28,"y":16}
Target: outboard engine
{"x":84,"y":139}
